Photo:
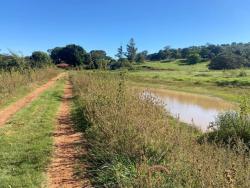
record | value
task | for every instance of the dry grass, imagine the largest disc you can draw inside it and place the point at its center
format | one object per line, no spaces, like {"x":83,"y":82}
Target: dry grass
{"x":16,"y":83}
{"x":133,"y":143}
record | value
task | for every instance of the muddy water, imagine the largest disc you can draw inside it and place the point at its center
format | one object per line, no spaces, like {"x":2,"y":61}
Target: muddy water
{"x":197,"y":110}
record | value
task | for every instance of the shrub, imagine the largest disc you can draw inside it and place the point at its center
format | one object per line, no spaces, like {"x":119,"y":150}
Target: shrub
{"x":121,"y":63}
{"x":193,"y":59}
{"x":40,"y":59}
{"x":231,"y":127}
{"x":227,"y":61}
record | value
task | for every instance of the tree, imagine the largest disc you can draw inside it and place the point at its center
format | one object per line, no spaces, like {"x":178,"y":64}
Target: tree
{"x":193,"y":59}
{"x":121,"y":63}
{"x":131,"y":50}
{"x":153,"y":57}
{"x":227,"y":61}
{"x":55,"y":54}
{"x":120,"y":53}
{"x":185,"y":52}
{"x":40,"y":59}
{"x":71,"y":54}
{"x":99,"y":59}
{"x":141,"y":57}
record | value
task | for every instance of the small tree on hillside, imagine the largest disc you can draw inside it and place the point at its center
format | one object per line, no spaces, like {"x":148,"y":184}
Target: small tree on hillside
{"x":120,"y":53}
{"x":131,"y":50}
{"x":193,"y":59}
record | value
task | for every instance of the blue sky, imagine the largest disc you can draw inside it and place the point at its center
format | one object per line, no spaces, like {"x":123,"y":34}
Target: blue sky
{"x":28,"y":25}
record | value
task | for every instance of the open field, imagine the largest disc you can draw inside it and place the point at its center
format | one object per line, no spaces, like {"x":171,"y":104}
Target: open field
{"x":228,"y":84}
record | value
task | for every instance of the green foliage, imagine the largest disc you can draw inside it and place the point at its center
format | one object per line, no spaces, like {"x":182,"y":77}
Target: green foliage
{"x":98,"y":60}
{"x":193,"y":59}
{"x":206,"y":52}
{"x":56,"y":54}
{"x":40,"y":59}
{"x":121,"y":63}
{"x":15,"y":61}
{"x":232,"y":126}
{"x":227,"y":61}
{"x":141,"y":57}
{"x":71,"y":54}
{"x":120,"y":53}
{"x":131,"y":50}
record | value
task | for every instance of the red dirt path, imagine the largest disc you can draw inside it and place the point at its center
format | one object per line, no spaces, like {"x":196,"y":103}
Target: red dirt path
{"x":68,"y":146}
{"x":6,"y":113}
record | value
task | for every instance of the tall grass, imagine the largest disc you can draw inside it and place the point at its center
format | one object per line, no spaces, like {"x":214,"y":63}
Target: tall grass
{"x":17,"y":82}
{"x":133,"y":143}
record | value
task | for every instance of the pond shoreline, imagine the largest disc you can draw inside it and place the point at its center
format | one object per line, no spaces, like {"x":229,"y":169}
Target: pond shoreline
{"x":192,"y":109}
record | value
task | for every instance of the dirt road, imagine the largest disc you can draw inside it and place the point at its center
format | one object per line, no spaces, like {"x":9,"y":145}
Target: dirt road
{"x":6,"y":113}
{"x":69,"y":145}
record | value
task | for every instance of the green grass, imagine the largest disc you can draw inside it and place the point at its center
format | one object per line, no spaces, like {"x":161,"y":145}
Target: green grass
{"x":197,"y":78}
{"x":26,"y":141}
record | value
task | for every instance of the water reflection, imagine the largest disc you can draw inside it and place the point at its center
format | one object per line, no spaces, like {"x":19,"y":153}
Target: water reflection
{"x":193,"y":109}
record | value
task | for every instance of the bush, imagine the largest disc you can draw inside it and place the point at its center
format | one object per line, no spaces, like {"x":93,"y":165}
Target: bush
{"x":121,"y":63}
{"x":193,"y":59}
{"x":227,"y":61}
{"x":40,"y":59}
{"x":231,"y":127}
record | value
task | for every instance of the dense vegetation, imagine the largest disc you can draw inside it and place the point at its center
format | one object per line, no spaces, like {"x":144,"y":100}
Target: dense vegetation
{"x":134,"y":143}
{"x":13,"y":61}
{"x":232,"y":126}
{"x":225,"y":56}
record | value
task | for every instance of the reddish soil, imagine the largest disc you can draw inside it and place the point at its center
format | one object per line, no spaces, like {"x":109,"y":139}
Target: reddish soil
{"x":6,"y":113}
{"x":69,"y":146}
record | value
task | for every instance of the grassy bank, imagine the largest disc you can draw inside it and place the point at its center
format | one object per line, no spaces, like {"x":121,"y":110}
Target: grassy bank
{"x":133,"y":142}
{"x":26,"y":142}
{"x":16,"y":84}
{"x":227,"y":84}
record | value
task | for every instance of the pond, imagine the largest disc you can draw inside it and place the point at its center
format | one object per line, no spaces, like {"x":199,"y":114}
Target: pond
{"x":193,"y":109}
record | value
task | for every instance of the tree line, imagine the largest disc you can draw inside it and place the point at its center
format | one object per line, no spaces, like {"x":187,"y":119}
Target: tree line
{"x":75,"y":56}
{"x":225,"y":56}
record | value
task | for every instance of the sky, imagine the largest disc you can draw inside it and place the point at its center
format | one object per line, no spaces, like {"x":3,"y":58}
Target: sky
{"x":30,"y":25}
